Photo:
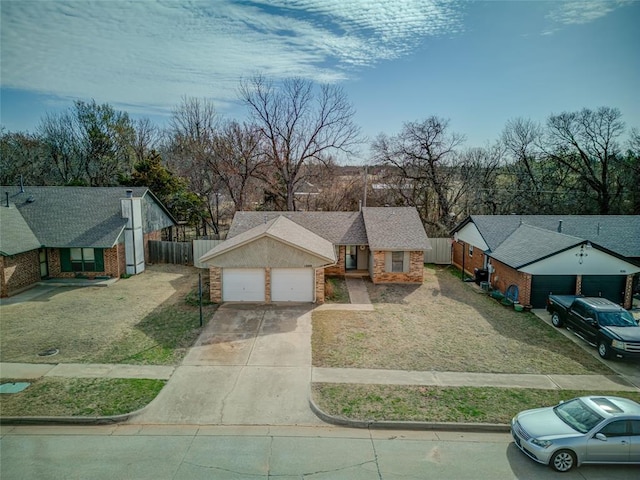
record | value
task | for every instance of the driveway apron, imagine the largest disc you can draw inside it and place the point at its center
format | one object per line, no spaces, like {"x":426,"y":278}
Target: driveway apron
{"x":250,"y":366}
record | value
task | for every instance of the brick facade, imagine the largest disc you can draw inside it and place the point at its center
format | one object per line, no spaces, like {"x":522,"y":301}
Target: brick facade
{"x":414,"y":275}
{"x":503,"y":276}
{"x":18,"y":272}
{"x":215,"y":284}
{"x":319,"y":285}
{"x":339,"y":268}
{"x":473,"y":257}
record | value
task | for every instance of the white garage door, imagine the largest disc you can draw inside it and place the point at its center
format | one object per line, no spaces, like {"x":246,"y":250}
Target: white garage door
{"x":292,"y":284}
{"x":243,"y":285}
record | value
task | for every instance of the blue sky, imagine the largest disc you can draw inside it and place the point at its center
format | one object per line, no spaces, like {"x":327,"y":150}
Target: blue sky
{"x":478,"y":64}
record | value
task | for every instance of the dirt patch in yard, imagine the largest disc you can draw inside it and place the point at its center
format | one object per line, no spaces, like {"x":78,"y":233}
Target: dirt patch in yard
{"x":105,"y":324}
{"x":444,"y":325}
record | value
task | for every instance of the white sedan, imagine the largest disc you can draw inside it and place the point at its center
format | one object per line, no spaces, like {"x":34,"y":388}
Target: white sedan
{"x":593,"y":429}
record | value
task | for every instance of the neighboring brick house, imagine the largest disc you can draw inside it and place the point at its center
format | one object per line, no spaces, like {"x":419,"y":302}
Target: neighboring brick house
{"x":285,"y":256}
{"x":66,"y":232}
{"x":592,"y":255}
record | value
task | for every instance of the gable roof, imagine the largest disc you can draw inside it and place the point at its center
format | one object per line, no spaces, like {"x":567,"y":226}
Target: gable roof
{"x":398,"y":228}
{"x":62,"y":217}
{"x":616,"y":233}
{"x":15,"y":235}
{"x":339,"y":228}
{"x":283,"y":230}
{"x":382,"y":228}
{"x":518,"y":250}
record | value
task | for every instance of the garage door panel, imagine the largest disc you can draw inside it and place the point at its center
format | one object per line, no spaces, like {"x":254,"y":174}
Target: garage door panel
{"x":543,"y":285}
{"x":243,"y":285}
{"x":292,"y":284}
{"x":606,"y":286}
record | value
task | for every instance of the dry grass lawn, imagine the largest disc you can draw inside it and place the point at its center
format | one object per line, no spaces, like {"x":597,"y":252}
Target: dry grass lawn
{"x":444,"y":325}
{"x":119,"y":323}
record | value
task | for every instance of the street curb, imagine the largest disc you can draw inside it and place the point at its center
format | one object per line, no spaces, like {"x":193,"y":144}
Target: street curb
{"x":399,"y":425}
{"x":106,"y":420}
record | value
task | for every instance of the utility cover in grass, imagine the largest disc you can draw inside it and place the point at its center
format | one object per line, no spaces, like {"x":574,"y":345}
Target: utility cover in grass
{"x":13,"y":387}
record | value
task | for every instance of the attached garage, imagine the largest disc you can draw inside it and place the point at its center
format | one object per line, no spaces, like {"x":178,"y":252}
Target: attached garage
{"x":606,"y":286}
{"x":543,"y":285}
{"x":292,"y":284}
{"x":243,"y":285}
{"x":273,"y":262}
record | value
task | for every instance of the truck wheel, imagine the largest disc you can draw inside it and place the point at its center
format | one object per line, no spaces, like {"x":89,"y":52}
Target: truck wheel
{"x":556,"y":320}
{"x":603,"y":349}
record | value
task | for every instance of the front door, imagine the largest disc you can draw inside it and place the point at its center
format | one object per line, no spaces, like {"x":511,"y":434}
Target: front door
{"x":351,"y":257}
{"x":44,"y":268}
{"x":614,"y":448}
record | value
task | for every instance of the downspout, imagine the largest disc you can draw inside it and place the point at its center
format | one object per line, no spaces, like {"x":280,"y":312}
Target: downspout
{"x":463,"y":255}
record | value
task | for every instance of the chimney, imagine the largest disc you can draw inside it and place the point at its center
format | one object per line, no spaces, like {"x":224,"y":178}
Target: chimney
{"x":559,"y":226}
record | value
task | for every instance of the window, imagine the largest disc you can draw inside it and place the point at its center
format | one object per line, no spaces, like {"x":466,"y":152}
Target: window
{"x":397,"y":261}
{"x":82,"y":259}
{"x":471,"y":250}
{"x":615,"y":429}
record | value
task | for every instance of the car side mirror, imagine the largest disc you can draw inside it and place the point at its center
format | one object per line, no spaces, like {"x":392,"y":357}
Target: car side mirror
{"x":601,"y":436}
{"x":591,"y":321}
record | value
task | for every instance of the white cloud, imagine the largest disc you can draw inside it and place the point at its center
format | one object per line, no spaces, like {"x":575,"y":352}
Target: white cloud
{"x":583,"y":11}
{"x":146,"y":55}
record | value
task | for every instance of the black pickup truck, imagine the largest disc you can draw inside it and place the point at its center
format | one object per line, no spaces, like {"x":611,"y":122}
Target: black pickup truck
{"x":598,"y":321}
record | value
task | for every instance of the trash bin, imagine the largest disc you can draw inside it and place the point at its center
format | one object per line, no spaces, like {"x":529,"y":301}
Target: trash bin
{"x":481,"y":275}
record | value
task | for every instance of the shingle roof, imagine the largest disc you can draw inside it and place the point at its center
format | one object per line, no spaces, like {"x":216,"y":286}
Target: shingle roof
{"x":398,"y":228}
{"x":340,"y":228}
{"x":15,"y":235}
{"x":382,"y":228}
{"x":617,"y":233}
{"x":282,"y":229}
{"x":519,"y":250}
{"x":73,"y":216}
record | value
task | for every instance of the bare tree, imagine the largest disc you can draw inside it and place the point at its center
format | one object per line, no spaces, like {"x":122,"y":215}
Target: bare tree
{"x":147,"y":138}
{"x":237,"y":162}
{"x":298,"y":125}
{"x":424,"y":156}
{"x":586,"y":143}
{"x":189,"y":151}
{"x":24,"y":156}
{"x":535,"y":183}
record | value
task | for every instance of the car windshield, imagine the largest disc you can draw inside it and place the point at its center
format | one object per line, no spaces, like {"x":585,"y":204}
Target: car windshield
{"x":616,"y":319}
{"x":577,"y":415}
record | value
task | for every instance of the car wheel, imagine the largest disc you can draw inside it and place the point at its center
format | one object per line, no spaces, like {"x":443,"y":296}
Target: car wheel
{"x":556,"y":320}
{"x":603,"y":350}
{"x":563,"y":460}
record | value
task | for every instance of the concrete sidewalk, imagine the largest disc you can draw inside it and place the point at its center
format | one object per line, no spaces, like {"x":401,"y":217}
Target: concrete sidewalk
{"x":463,"y":379}
{"x":29,"y":371}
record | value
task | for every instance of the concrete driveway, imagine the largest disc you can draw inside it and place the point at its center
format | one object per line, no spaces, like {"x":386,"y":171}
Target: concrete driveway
{"x":629,"y":368}
{"x":250,"y":366}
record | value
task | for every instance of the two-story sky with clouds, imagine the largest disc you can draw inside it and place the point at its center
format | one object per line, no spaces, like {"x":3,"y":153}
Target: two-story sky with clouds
{"x":476,"y":63}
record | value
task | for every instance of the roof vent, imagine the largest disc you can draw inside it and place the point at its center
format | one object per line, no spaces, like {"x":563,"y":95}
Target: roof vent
{"x":129,"y":193}
{"x":31,"y":199}
{"x":559,"y":226}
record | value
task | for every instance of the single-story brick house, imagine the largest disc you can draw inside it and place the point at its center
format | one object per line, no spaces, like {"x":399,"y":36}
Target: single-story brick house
{"x":65,"y":232}
{"x":592,"y":255}
{"x":285,"y":256}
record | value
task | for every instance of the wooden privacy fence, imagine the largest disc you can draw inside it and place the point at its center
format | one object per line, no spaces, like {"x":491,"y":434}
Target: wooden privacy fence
{"x":188,"y":253}
{"x":200,"y":247}
{"x":440,"y":253}
{"x":180,"y":253}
